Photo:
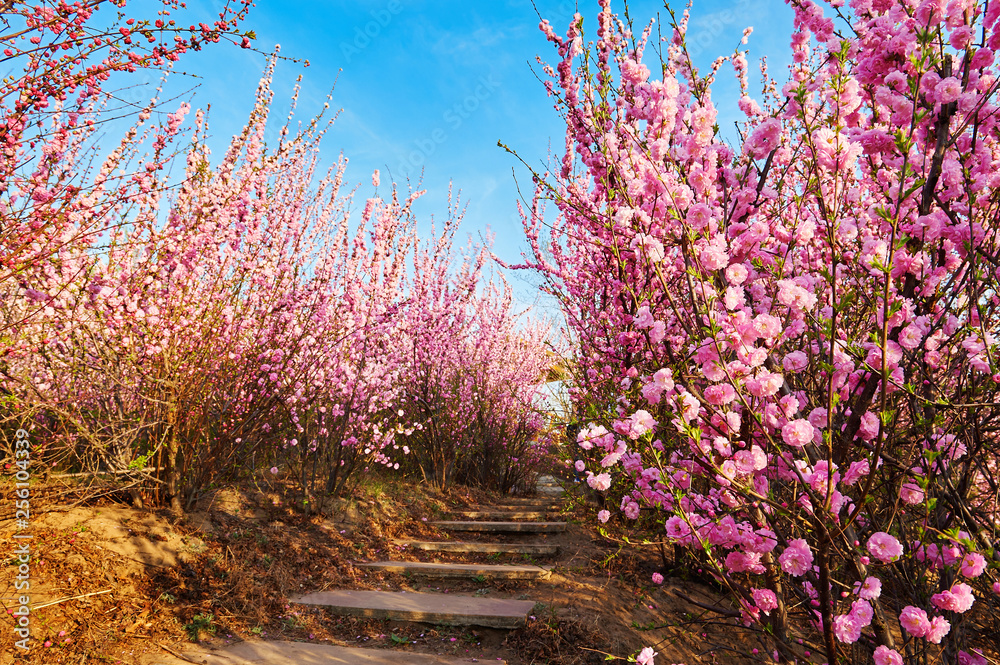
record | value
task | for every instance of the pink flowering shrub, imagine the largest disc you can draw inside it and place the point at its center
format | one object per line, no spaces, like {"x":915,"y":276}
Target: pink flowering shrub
{"x":246,"y":320}
{"x":470,"y":369}
{"x":787,"y":342}
{"x":58,"y":193}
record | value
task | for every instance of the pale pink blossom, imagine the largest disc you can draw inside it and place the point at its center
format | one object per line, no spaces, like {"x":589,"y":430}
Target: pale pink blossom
{"x":797,"y":432}
{"x":847,"y":628}
{"x":600,"y":482}
{"x":870,"y":589}
{"x":736,"y":274}
{"x":939,"y":628}
{"x":648,"y":246}
{"x":884,"y":547}
{"x":914,"y":620}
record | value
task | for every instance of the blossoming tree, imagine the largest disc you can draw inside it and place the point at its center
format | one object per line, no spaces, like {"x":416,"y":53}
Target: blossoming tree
{"x":789,"y":341}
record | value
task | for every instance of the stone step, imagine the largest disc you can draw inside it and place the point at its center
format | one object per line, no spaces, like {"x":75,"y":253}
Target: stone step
{"x":533,"y":503}
{"x":542,"y":507}
{"x":436,"y":608}
{"x":459,"y":570}
{"x":503,"y":527}
{"x":305,"y":653}
{"x":501,"y":514}
{"x":483,"y":548}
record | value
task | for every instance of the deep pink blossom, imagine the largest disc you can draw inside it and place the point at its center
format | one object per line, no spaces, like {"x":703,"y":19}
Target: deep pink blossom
{"x":886,"y":656}
{"x":797,"y":558}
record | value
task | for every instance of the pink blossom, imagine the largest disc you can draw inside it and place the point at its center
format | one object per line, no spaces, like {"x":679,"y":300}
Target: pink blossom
{"x":640,"y":422}
{"x":795,"y":361}
{"x":736,"y":274}
{"x":870,"y":589}
{"x":643,"y":318}
{"x":959,"y":598}
{"x":600,"y":482}
{"x":648,"y":246}
{"x":973,"y":565}
{"x":764,"y":139}
{"x":765,"y":600}
{"x":677,"y":528}
{"x":911,"y":493}
{"x":884,"y":547}
{"x":862,"y":611}
{"x":713,"y":258}
{"x":797,"y":558}
{"x":794,"y":296}
{"x":797,"y":432}
{"x":886,"y":656}
{"x":603,"y":516}
{"x":657,"y":578}
{"x":856,"y":472}
{"x":911,"y":337}
{"x":948,"y":90}
{"x":720,"y":393}
{"x":939,"y":628}
{"x":847,"y":628}
{"x":645,"y":656}
{"x":915,"y":621}
{"x":657,"y":332}
{"x":973,"y":658}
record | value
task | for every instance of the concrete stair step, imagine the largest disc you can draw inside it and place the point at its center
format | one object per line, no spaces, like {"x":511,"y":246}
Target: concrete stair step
{"x":305,"y":653}
{"x":533,"y":503}
{"x":540,"y":507}
{"x":503,"y":527}
{"x":442,"y":609}
{"x":459,"y":570}
{"x":482,"y":548}
{"x":501,"y":514}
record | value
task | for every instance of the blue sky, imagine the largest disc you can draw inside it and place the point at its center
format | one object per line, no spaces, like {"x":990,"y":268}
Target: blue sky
{"x":433,"y":86}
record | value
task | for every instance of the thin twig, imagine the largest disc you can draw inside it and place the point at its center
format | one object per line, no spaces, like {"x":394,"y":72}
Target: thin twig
{"x":63,"y":600}
{"x":174,"y":653}
{"x":711,"y":608}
